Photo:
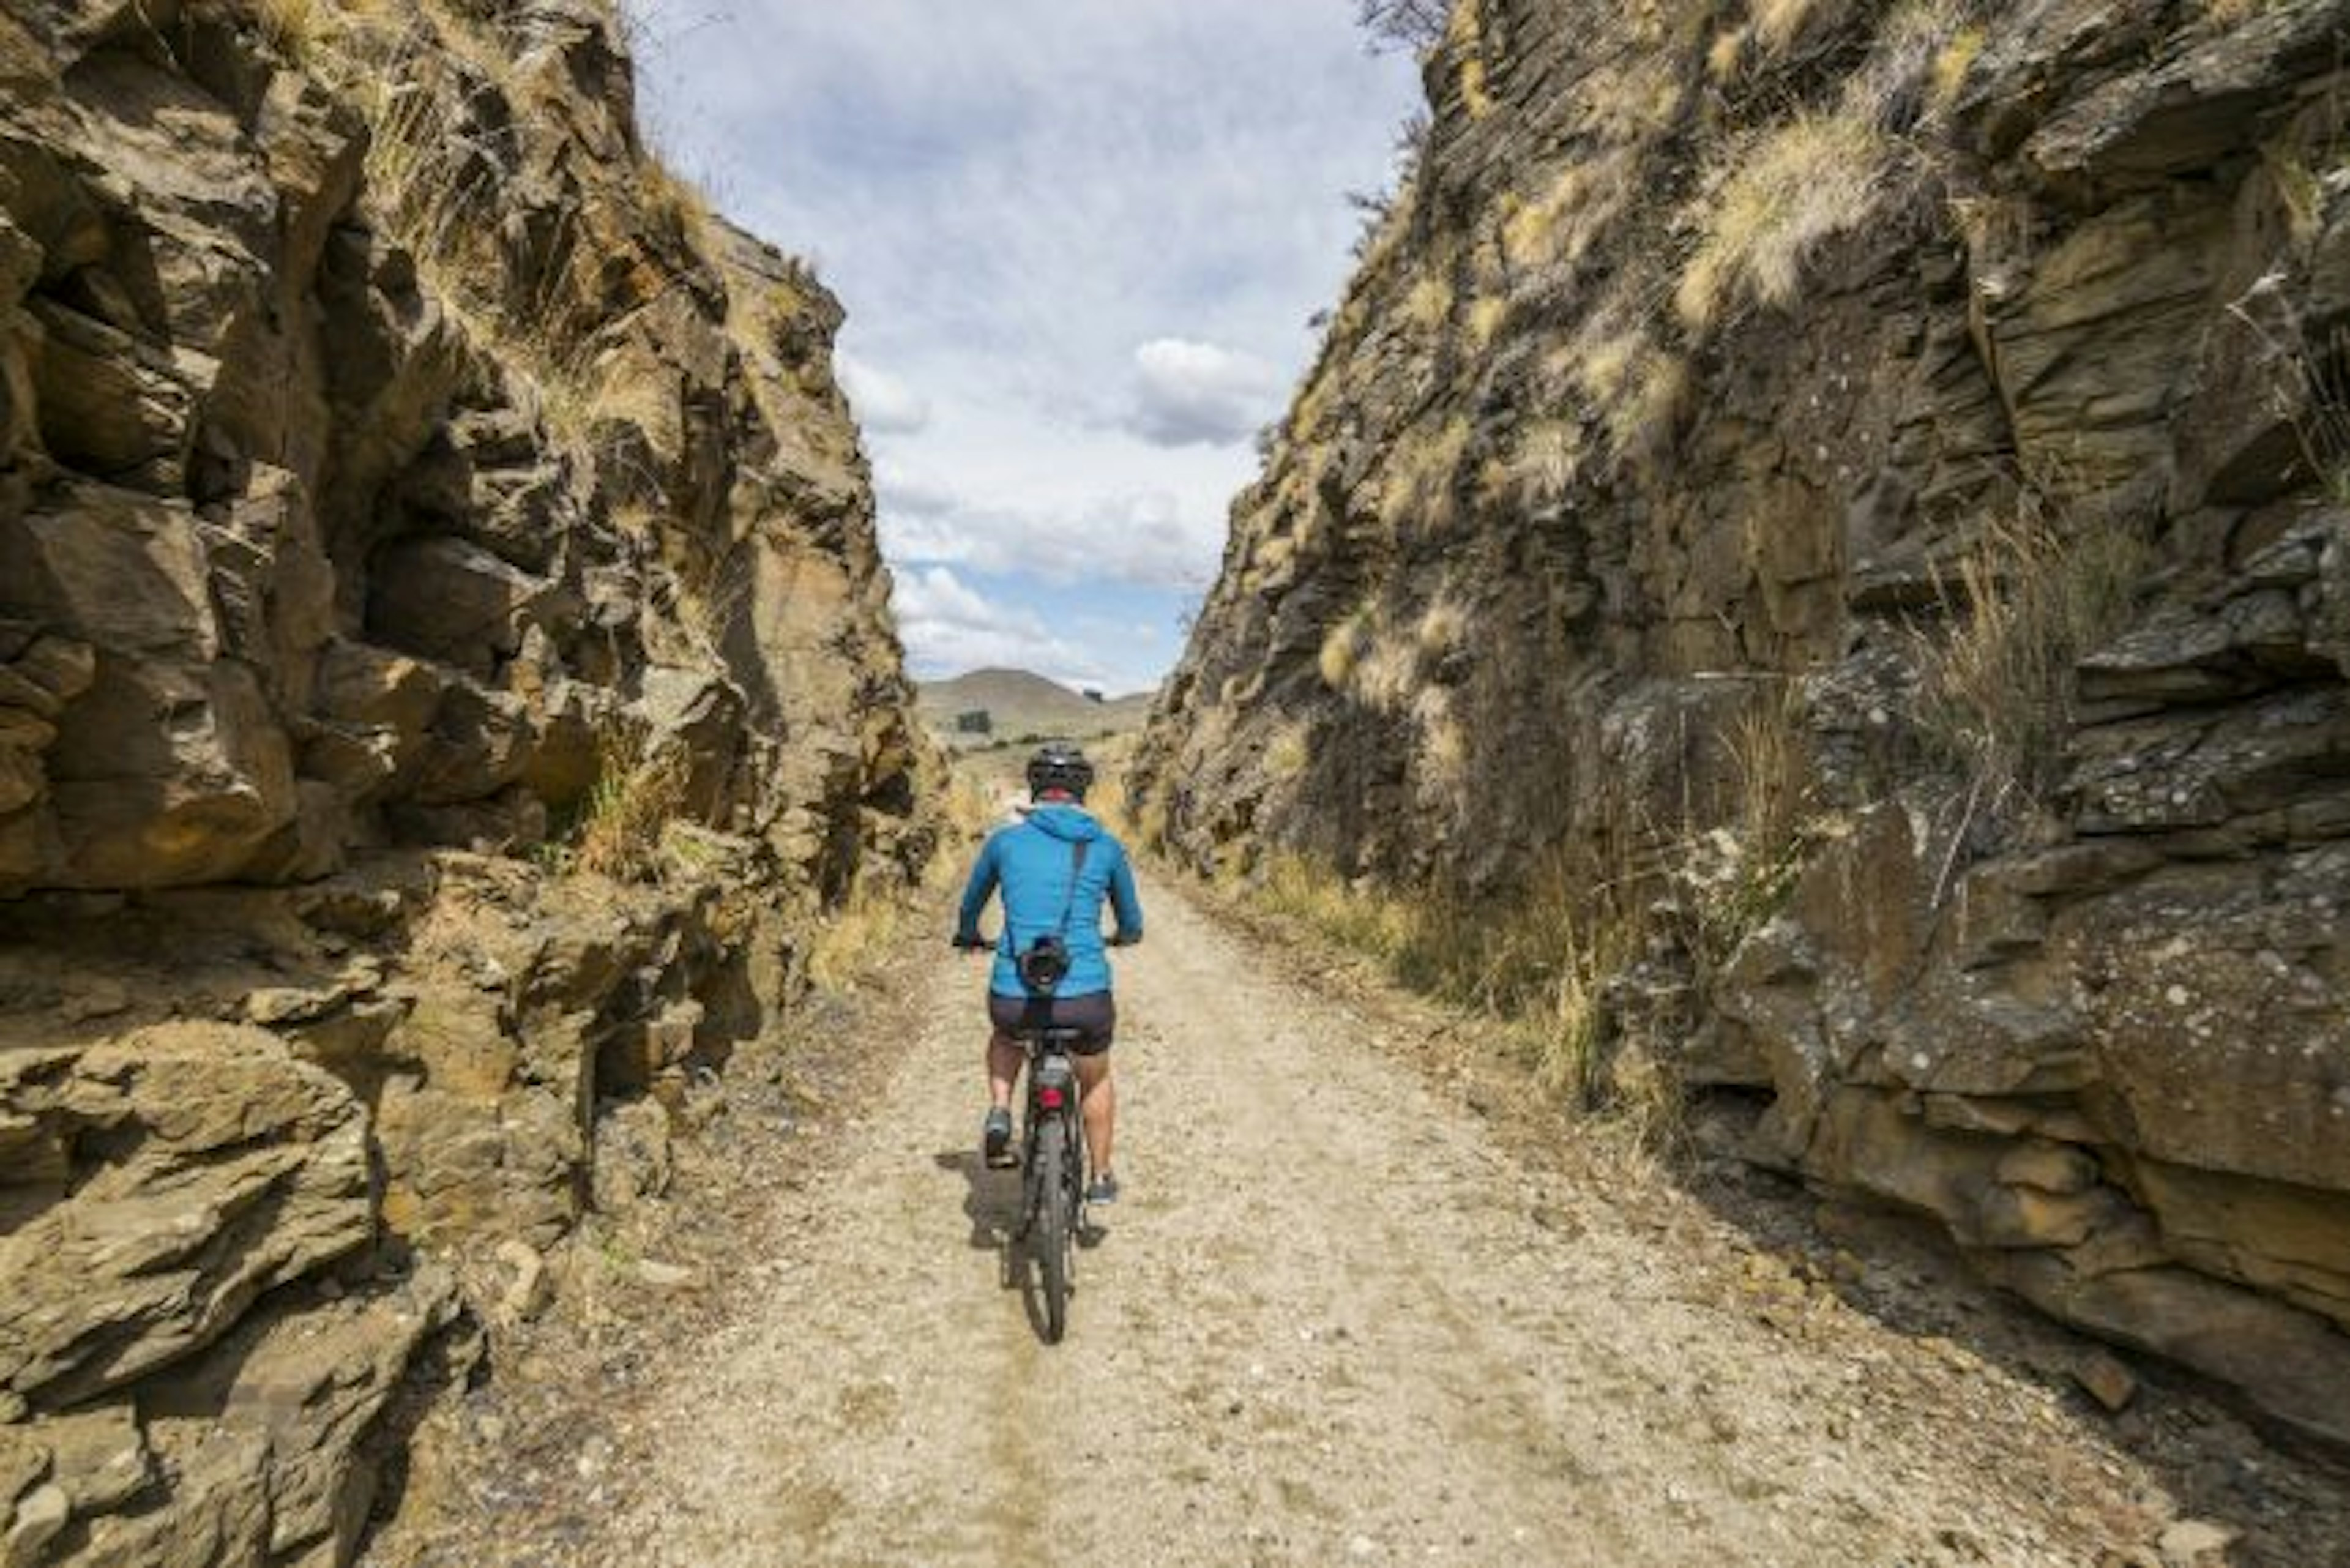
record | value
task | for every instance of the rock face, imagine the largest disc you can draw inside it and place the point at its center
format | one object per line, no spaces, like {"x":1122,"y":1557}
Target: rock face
{"x":1868,"y":480}
{"x":446,"y":670}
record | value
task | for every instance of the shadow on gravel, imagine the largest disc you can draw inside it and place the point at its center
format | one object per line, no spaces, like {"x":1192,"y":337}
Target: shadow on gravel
{"x":991,"y":1200}
{"x":992,"y":1203}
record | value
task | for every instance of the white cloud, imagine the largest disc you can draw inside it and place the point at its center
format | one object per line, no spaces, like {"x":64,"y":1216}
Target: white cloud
{"x":948,"y":628}
{"x":1202,"y":394}
{"x":881,"y":402}
{"x":1144,"y":537}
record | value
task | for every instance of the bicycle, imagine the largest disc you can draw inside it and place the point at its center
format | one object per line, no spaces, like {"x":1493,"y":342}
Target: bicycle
{"x":1053,"y":1168}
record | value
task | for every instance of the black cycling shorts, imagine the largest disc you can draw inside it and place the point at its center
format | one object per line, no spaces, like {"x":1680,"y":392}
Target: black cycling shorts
{"x":1095,"y":1014}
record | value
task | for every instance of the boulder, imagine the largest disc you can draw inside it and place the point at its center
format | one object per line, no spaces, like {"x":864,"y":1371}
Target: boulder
{"x":170,"y":767}
{"x":162,"y":1182}
{"x":452,"y":600}
{"x":262,"y":1445}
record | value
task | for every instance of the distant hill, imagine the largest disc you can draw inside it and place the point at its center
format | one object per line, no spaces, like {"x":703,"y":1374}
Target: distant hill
{"x":1019,"y":703}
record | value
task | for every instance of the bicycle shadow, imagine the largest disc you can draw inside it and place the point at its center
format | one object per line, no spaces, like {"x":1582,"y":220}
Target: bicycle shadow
{"x":991,"y":1203}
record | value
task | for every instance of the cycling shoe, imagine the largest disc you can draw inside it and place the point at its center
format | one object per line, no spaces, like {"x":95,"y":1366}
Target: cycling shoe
{"x":1103,"y":1190}
{"x":995,"y":1137}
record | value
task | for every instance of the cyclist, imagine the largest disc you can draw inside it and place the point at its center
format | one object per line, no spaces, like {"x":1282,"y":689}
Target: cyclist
{"x":1046,"y":887}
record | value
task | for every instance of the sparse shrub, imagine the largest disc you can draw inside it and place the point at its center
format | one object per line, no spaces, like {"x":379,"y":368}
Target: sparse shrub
{"x":1414,"y":25}
{"x":2032,"y":598}
{"x":1781,"y":195}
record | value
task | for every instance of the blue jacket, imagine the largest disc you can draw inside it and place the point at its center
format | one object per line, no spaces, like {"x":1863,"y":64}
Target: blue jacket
{"x":1030,"y":862}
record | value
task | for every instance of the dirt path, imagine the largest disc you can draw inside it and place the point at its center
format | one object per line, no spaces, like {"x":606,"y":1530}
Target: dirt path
{"x":1332,"y":1322}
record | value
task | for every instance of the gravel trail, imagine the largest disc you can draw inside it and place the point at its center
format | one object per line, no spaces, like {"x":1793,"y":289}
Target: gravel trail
{"x":1333,"y":1321}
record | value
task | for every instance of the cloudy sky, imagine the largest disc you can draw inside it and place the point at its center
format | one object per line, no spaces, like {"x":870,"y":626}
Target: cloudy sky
{"x":1078,"y":241}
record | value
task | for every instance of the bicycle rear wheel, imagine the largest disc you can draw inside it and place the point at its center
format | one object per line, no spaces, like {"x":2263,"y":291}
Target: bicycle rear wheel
{"x":1053,"y":1232}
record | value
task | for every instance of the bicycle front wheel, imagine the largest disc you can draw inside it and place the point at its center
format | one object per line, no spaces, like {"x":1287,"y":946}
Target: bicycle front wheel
{"x":1054,"y":1233}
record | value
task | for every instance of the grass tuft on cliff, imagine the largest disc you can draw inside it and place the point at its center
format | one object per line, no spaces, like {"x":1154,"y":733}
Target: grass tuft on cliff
{"x":2032,"y":597}
{"x":636,"y":796}
{"x":1772,"y":203}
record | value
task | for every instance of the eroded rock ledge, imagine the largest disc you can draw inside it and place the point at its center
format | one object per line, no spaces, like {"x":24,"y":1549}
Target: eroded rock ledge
{"x":414,"y":505}
{"x":1721,"y":372}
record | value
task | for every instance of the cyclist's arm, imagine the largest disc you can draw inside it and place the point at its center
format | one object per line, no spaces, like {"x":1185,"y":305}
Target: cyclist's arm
{"x":984,"y":876}
{"x":1125,"y":901}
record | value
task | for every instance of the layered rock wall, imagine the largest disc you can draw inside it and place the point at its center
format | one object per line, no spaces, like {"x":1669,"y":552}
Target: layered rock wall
{"x":445,"y":674}
{"x":1885,"y":462}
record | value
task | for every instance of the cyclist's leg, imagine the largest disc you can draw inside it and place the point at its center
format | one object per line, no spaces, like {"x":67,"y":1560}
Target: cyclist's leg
{"x":1097,"y":1016}
{"x":1003,"y":1061}
{"x":1004,"y":1056}
{"x":1099,"y":1100}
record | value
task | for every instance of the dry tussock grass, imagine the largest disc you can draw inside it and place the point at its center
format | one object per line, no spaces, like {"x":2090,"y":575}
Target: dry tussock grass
{"x":1442,"y":626}
{"x":1342,"y":646}
{"x":1956,"y":57}
{"x":1781,"y":24}
{"x":1775,"y":199}
{"x":2032,"y":598}
{"x":1429,"y":306}
{"x":639,"y":792}
{"x":1417,"y":493}
{"x":1465,"y":37}
{"x":292,"y":26}
{"x":1485,"y":318}
{"x":1287,"y":753}
{"x":1546,"y":461}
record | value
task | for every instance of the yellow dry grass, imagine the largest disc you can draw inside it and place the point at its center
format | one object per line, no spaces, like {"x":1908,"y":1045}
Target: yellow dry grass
{"x":1726,"y":54}
{"x":638,"y":792}
{"x":1418,"y":494}
{"x":1485,"y":318}
{"x":1645,"y":417}
{"x":1443,"y":626}
{"x":1951,"y":64}
{"x":1429,"y":306}
{"x":1779,"y":23}
{"x":2033,"y":597}
{"x":1546,"y":461}
{"x":1342,"y":645}
{"x":1782,"y":194}
{"x":1287,"y":753}
{"x":1465,"y":36}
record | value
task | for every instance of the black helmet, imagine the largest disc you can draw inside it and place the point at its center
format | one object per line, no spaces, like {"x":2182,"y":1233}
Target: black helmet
{"x":1058,"y":764}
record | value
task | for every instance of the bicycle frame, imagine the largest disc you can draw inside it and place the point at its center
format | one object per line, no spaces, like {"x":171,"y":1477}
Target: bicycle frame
{"x":1052,"y":1093}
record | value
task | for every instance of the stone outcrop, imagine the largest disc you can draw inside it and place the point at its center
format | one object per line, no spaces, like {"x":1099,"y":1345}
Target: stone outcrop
{"x":445,"y":674}
{"x":1731,"y":415}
